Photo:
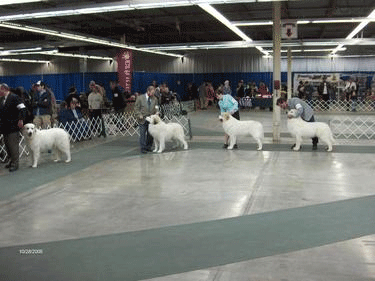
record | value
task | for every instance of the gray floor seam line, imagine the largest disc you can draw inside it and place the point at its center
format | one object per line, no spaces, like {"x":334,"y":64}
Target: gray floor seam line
{"x":256,"y":187}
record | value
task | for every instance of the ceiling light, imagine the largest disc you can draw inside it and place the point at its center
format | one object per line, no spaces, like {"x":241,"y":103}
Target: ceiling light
{"x":77,"y":37}
{"x":24,"y":60}
{"x":303,"y":21}
{"x":308,"y":50}
{"x":356,"y":30}
{"x":212,"y":11}
{"x":253,"y":23}
{"x":15,"y":51}
{"x":343,"y":20}
{"x":12,"y":2}
{"x":55,"y":53}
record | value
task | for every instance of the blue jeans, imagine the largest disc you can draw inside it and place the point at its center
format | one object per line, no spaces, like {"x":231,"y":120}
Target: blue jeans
{"x":145,"y":139}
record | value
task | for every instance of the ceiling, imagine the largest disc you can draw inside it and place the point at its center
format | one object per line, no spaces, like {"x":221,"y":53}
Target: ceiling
{"x":170,"y":26}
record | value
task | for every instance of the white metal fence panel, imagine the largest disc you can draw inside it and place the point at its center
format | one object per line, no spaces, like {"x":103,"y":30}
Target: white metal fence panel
{"x":342,"y":106}
{"x":115,"y":124}
{"x":353,"y":128}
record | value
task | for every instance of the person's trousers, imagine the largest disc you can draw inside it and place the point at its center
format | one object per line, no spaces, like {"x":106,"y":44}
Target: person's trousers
{"x":315,"y":140}
{"x":96,"y":116}
{"x":11,"y":142}
{"x":42,"y":121}
{"x":145,"y":139}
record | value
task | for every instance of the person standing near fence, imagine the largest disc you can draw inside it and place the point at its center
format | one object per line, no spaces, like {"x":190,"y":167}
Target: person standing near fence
{"x":351,"y":93}
{"x":42,"y":106}
{"x":12,"y":116}
{"x":118,"y":98}
{"x":202,"y":91}
{"x":95,"y":101}
{"x":145,"y":105}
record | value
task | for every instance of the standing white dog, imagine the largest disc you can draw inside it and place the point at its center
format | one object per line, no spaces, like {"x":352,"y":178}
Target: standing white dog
{"x":300,"y":128}
{"x":162,"y":132}
{"x":234,"y":128}
{"x":38,"y":141}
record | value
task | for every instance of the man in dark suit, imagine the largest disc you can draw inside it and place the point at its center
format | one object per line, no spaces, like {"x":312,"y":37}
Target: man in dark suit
{"x":12,"y":115}
{"x":145,"y":105}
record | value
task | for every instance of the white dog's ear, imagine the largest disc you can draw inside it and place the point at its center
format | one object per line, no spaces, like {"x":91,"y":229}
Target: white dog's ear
{"x":156,"y":120}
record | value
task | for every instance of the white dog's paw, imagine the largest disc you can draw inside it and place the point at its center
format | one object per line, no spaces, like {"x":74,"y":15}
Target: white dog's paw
{"x":259,"y":148}
{"x":155,"y":150}
{"x":230,"y":147}
{"x":56,"y":160}
{"x":296,"y":148}
{"x":34,"y":166}
{"x":329,"y":149}
{"x":68,"y":160}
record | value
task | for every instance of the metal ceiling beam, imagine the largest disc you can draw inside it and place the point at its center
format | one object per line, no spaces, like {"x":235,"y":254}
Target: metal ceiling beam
{"x":264,"y":44}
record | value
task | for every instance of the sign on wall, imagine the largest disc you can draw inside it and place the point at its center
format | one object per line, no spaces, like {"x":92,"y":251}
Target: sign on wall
{"x":125,"y":69}
{"x":289,"y":30}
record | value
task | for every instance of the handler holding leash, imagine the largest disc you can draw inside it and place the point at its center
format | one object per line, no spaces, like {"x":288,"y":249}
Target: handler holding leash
{"x":12,"y":115}
{"x":228,"y":104}
{"x":145,"y":105}
{"x":304,"y":110}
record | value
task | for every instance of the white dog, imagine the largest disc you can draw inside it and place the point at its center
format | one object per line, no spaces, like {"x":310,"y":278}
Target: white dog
{"x":38,"y":141}
{"x":162,"y":132}
{"x":300,"y":128}
{"x":234,"y":128}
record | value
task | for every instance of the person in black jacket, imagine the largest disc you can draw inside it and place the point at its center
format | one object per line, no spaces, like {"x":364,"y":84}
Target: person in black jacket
{"x":12,"y":115}
{"x":118,"y":99}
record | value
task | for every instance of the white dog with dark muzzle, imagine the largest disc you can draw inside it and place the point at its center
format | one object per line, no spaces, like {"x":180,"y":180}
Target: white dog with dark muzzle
{"x":162,"y":132}
{"x":302,"y":129}
{"x":235,"y":128}
{"x":55,"y":139}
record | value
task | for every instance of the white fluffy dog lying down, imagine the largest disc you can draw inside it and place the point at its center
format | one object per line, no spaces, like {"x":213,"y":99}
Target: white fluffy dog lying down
{"x":38,"y":141}
{"x":234,"y":128}
{"x":162,"y":132}
{"x":302,"y":129}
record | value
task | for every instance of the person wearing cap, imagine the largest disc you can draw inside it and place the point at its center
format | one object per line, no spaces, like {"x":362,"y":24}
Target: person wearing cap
{"x":12,"y":116}
{"x":42,"y":105}
{"x":304,"y":110}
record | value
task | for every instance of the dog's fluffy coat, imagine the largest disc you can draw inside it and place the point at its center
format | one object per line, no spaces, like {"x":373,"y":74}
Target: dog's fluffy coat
{"x":302,"y":129}
{"x":162,"y":132}
{"x":38,"y":141}
{"x":235,"y":128}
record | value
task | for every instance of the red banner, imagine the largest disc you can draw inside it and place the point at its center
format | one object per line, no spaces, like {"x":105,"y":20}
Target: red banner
{"x":125,"y":69}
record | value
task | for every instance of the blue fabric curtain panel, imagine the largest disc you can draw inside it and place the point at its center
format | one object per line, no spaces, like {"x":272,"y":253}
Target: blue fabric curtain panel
{"x":60,"y":83}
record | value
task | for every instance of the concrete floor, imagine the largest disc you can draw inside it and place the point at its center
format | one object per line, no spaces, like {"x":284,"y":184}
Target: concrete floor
{"x":111,"y":212}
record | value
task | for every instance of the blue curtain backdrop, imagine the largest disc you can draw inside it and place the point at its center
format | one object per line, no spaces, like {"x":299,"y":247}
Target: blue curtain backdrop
{"x":60,"y":83}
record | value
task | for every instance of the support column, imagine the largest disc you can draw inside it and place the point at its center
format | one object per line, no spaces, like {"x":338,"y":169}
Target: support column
{"x":276,"y":15}
{"x":290,"y":90}
{"x":83,"y":70}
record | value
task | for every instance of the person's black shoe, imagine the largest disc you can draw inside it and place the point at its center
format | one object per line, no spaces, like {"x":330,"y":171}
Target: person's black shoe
{"x":7,"y":166}
{"x":144,"y":151}
{"x":235,"y":146}
{"x":315,"y":146}
{"x":13,"y":168}
{"x":225,"y":145}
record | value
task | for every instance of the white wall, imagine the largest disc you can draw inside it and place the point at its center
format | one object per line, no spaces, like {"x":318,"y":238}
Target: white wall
{"x":205,"y":61}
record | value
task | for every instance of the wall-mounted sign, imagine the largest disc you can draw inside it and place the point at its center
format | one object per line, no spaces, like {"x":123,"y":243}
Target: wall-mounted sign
{"x":289,"y":30}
